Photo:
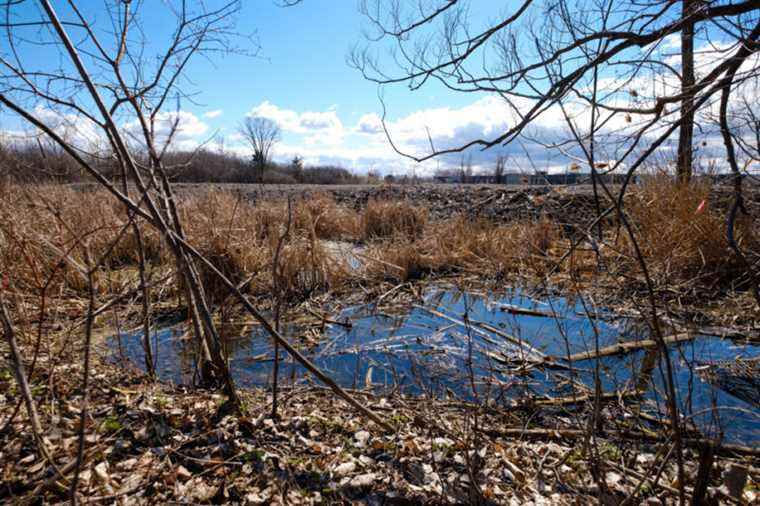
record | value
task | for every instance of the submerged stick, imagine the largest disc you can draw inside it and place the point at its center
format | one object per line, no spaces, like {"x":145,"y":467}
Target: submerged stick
{"x":628,"y":347}
{"x":347,"y":324}
{"x":517,"y":310}
{"x":536,"y":355}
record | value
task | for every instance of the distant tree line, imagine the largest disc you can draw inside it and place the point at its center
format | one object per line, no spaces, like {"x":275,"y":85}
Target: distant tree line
{"x":28,"y":162}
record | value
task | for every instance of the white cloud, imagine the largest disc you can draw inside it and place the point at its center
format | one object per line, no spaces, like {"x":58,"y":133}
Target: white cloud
{"x":189,"y":129}
{"x":287,"y":119}
{"x":321,"y":137}
{"x":73,"y":128}
{"x":213,"y":114}
{"x":320,"y":127}
{"x":320,"y":120}
{"x":486,"y":116}
{"x":370,"y":124}
{"x":188,"y":124}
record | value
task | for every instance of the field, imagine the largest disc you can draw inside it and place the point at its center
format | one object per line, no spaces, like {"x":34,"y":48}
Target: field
{"x":501,"y":354}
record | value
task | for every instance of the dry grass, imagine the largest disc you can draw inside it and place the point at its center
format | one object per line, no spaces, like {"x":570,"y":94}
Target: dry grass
{"x":46,"y":230}
{"x":223,"y":228}
{"x":323,"y":217}
{"x":307,"y":267}
{"x":401,"y":261}
{"x":681,"y":234}
{"x":463,"y":245}
{"x":49,"y":235}
{"x":383,"y":218}
{"x":241,"y":240}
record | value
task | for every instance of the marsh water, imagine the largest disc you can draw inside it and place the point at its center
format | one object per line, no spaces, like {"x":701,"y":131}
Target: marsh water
{"x":470,"y":345}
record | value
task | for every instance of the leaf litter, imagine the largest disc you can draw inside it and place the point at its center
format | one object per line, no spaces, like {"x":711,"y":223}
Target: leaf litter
{"x":151,"y":442}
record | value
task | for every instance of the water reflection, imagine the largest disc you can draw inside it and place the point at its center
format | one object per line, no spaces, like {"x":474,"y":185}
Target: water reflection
{"x":466,"y":345}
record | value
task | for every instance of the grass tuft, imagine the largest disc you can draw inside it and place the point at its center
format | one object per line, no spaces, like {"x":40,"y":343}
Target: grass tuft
{"x":382,"y":219}
{"x":682,"y":234}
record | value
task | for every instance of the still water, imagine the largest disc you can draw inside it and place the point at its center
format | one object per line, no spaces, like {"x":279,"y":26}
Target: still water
{"x":468,"y":345}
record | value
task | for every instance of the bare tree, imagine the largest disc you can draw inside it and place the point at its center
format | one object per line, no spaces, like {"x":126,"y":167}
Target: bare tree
{"x":537,"y":55}
{"x":685,"y":161}
{"x":498,"y":171}
{"x":261,"y":134}
{"x":465,"y":169}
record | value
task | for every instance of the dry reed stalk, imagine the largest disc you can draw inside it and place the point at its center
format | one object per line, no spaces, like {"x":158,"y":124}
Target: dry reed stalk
{"x":321,"y":215}
{"x":682,"y":238}
{"x":240,"y":240}
{"x":682,"y":234}
{"x":383,"y":218}
{"x":465,"y":245}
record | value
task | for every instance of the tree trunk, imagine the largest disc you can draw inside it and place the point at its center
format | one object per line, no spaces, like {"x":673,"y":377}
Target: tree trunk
{"x":21,"y":378}
{"x":686,"y":132}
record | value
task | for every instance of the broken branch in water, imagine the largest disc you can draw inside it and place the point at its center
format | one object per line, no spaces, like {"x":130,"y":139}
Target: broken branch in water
{"x":347,"y":324}
{"x":534,"y":354}
{"x":628,"y":347}
{"x":517,"y":310}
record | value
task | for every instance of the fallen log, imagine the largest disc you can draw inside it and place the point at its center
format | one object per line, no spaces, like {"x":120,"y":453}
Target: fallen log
{"x":627,"y":347}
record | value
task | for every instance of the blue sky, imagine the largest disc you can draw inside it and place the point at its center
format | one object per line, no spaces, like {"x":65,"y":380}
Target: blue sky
{"x":301,"y":68}
{"x":328,"y":112}
{"x":300,"y":78}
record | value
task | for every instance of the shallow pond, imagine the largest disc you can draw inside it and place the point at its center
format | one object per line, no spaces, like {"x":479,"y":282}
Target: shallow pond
{"x":472,"y":346}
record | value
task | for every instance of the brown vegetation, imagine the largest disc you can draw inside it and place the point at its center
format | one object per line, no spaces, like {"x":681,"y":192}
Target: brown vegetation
{"x":392,"y":219}
{"x":240,"y":239}
{"x":46,"y":231}
{"x":464,"y":245}
{"x":682,"y":233}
